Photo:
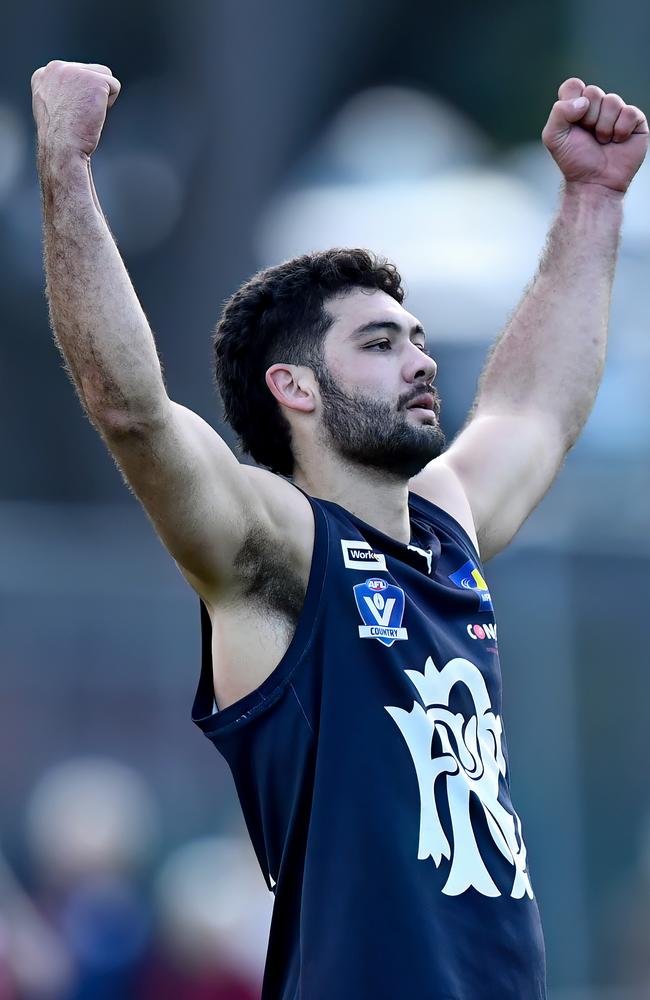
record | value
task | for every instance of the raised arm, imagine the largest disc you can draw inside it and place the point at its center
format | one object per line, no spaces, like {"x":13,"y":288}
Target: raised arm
{"x":198,"y":496}
{"x":541,"y":379}
{"x":97,"y":320}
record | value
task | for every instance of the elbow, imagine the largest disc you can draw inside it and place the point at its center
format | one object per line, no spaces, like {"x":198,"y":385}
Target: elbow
{"x":119,"y":424}
{"x":119,"y":409}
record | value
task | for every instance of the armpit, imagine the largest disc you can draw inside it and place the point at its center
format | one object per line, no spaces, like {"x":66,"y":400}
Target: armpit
{"x":268,"y":578}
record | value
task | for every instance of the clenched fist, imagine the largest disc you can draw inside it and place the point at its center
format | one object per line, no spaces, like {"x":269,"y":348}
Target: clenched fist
{"x":595,"y":138}
{"x":70,"y":101}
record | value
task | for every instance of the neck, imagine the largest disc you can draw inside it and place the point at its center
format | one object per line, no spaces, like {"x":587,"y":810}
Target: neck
{"x":373,"y":495}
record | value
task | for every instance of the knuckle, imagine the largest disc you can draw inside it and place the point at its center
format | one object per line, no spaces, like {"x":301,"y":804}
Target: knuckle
{"x":77,"y":75}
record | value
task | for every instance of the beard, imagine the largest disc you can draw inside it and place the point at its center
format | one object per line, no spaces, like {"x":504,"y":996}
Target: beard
{"x":370,"y":432}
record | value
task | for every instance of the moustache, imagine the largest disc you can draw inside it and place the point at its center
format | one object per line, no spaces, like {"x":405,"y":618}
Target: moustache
{"x":421,"y":390}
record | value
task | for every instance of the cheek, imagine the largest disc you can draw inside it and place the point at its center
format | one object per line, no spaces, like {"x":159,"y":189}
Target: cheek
{"x":370,"y":373}
{"x":376,"y":373}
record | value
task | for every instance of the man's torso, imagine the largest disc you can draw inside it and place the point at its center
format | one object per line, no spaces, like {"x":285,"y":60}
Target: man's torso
{"x":253,"y":627}
{"x":390,"y":690}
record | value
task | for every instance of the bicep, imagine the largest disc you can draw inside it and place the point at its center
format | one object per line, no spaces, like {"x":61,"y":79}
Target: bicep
{"x":193,"y":489}
{"x":505,"y":464}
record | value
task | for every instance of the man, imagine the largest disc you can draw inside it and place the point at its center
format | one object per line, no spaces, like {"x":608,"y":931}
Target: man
{"x":350,"y":672}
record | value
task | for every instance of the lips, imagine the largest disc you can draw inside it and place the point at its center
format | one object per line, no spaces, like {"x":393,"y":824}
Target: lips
{"x":424,"y":402}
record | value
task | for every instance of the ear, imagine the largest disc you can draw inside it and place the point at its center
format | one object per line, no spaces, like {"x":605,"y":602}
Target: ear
{"x":292,"y":387}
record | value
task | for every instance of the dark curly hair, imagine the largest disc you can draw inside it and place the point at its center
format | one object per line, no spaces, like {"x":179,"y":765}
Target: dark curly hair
{"x":278,"y":315}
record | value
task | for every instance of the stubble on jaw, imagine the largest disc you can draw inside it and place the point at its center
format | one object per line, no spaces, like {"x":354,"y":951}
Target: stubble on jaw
{"x":372,"y":433}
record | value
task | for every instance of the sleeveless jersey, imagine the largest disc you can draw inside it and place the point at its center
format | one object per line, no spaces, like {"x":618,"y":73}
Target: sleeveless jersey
{"x":372,"y":771}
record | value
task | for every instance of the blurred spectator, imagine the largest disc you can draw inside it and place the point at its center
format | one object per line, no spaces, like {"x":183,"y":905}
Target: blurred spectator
{"x":34,"y":962}
{"x":94,"y":932}
{"x":91,"y":823}
{"x":213,"y":924}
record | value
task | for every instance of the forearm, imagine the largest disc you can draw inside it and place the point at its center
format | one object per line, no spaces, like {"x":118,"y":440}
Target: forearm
{"x":550,"y":357}
{"x":97,"y":320}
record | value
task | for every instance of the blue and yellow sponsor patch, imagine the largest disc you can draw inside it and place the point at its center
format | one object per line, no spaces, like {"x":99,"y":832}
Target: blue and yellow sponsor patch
{"x":469,"y":577}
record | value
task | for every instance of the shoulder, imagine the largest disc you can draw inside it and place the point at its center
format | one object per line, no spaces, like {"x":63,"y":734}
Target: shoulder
{"x":439,"y":484}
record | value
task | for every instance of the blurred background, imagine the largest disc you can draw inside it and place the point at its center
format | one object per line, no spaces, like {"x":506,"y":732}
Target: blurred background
{"x":246,"y":133}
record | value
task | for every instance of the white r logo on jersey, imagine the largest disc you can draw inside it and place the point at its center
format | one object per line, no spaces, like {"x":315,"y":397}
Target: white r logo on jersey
{"x":471,"y":761}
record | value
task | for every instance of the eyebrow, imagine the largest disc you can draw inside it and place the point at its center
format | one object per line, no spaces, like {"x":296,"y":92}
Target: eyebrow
{"x":385,"y":324}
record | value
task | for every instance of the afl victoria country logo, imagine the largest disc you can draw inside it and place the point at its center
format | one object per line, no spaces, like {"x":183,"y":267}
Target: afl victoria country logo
{"x":381,"y":606}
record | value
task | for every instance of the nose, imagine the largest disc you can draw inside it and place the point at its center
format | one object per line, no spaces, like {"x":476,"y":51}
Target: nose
{"x":420,"y":367}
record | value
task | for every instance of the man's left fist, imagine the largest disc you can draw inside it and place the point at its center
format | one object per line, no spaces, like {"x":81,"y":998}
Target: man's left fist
{"x":595,"y":137}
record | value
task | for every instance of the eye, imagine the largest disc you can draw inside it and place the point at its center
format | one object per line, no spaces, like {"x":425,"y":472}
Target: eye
{"x":382,"y":345}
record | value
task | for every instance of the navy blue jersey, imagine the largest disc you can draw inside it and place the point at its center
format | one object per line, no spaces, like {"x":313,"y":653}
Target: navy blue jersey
{"x":372,"y":771}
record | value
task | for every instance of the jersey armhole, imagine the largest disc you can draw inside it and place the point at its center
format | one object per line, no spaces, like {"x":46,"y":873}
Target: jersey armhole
{"x":214,"y":722}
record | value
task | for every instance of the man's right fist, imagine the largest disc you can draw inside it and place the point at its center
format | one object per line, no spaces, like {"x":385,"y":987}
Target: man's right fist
{"x":70,"y":101}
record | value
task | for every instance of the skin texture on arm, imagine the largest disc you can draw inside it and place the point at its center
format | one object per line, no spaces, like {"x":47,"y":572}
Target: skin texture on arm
{"x":540,"y":382}
{"x":201,"y":501}
{"x":98,"y":322}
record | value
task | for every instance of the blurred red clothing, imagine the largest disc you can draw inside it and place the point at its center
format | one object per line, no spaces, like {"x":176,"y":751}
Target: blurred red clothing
{"x":7,"y":991}
{"x":164,"y":981}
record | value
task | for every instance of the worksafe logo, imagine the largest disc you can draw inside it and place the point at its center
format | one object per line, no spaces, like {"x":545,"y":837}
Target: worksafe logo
{"x":361,"y":555}
{"x":381,"y":606}
{"x":469,"y":577}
